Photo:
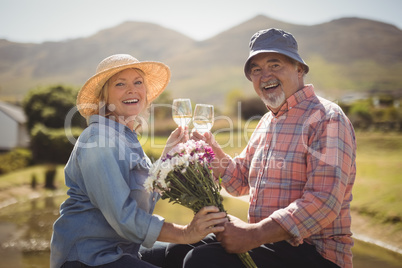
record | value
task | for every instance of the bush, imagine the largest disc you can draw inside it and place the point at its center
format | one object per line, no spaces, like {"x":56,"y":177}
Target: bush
{"x":51,"y":145}
{"x":14,"y":160}
{"x":361,"y":114}
{"x":253,"y":107}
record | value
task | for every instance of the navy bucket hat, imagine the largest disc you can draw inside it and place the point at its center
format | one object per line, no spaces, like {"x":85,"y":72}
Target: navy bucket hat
{"x":273,"y":40}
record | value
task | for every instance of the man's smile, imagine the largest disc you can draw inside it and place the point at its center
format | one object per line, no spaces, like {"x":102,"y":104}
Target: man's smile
{"x":270,"y":85}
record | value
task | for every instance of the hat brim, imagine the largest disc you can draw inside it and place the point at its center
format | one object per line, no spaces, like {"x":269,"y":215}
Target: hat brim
{"x":157,"y":76}
{"x":279,"y":51}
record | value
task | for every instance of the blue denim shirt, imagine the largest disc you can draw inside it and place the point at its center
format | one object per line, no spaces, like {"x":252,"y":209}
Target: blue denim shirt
{"x":108,"y":213}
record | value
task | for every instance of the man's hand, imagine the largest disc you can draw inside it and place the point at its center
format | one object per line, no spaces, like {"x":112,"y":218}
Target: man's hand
{"x":208,"y":137}
{"x":238,"y":236}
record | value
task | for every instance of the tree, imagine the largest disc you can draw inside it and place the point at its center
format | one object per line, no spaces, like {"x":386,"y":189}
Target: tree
{"x":49,"y":106}
{"x":46,"y":110}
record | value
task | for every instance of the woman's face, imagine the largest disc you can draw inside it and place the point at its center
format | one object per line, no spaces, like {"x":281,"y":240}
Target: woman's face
{"x":127,"y":94}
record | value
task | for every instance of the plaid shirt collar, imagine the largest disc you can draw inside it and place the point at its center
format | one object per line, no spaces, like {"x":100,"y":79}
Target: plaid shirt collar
{"x":302,"y":94}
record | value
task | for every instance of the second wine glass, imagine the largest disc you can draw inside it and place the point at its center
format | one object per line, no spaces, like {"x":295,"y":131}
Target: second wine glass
{"x":203,"y":117}
{"x":181,"y":111}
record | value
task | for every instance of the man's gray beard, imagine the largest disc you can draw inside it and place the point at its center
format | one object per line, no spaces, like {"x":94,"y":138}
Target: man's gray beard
{"x":275,"y":101}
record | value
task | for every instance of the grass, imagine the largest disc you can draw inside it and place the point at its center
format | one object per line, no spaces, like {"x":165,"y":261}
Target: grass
{"x":378,"y":185}
{"x":377,"y":190}
{"x":24,"y":176}
{"x":183,"y":215}
{"x":16,"y":186}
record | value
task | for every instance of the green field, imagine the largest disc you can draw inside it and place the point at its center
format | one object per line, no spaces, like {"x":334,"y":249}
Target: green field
{"x":377,"y":191}
{"x":378,"y":187}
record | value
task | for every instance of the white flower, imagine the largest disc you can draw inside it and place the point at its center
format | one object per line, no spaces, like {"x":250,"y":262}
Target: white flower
{"x":162,"y":182}
{"x":191,"y":146}
{"x":194,"y":158}
{"x":186,"y":159}
{"x":183,"y":161}
{"x":179,"y":148}
{"x":174,"y":161}
{"x":155,"y":168}
{"x":149,"y":184}
{"x":162,"y":176}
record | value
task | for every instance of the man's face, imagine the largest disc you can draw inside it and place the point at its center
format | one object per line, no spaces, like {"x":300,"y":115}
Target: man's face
{"x":275,"y":78}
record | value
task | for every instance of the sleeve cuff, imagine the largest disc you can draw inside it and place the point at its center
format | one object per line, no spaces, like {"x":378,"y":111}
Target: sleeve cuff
{"x":284,"y":219}
{"x":155,"y":227}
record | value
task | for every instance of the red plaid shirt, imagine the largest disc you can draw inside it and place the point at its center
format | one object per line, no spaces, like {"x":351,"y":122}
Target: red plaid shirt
{"x":299,"y":168}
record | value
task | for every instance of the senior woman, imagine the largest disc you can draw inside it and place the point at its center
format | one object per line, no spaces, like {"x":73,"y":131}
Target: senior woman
{"x":108,"y":214}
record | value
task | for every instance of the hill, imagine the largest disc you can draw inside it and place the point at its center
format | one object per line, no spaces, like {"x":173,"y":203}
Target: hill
{"x":344,"y":55}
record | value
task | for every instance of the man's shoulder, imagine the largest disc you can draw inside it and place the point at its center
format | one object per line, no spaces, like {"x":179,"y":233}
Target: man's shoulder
{"x":323,"y":104}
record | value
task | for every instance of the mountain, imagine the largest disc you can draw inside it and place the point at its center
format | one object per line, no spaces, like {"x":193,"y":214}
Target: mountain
{"x":344,"y":55}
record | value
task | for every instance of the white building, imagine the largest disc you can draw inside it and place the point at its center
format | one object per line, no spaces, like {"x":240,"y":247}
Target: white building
{"x":13,"y":131}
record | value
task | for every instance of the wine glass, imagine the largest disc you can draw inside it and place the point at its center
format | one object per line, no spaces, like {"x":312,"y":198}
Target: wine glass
{"x":181,"y":112}
{"x":203,"y":117}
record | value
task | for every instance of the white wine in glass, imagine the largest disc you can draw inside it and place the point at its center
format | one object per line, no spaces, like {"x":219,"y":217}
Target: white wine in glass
{"x":181,"y":111}
{"x":203,"y":117}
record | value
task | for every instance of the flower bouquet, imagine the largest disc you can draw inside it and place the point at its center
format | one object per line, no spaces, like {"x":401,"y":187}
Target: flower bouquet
{"x":184,"y":177}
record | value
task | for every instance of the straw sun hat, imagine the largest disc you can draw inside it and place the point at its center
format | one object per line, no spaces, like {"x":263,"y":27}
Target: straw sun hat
{"x":157,"y":76}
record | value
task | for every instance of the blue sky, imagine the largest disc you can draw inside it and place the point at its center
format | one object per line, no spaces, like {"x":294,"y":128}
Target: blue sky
{"x":55,"y":20}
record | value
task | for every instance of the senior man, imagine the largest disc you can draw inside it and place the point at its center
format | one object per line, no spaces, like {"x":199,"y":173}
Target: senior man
{"x":298,"y":169}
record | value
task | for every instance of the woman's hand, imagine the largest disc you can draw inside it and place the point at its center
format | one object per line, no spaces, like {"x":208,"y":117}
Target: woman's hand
{"x":207,"y":220}
{"x":178,"y":135}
